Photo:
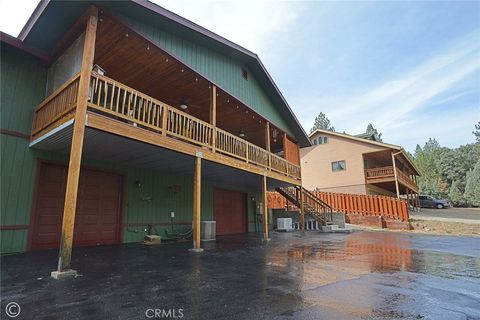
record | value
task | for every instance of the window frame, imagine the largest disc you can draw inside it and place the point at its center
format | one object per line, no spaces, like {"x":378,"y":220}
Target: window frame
{"x":344,"y":168}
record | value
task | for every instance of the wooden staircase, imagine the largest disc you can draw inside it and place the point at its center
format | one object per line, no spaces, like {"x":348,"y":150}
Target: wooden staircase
{"x":312,"y":205}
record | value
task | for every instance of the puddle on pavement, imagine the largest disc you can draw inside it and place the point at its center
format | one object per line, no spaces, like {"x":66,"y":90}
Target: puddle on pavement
{"x":376,"y":276}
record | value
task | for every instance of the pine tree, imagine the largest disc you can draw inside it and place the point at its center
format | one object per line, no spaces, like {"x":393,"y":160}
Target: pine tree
{"x":322,"y":122}
{"x":472,"y":188}
{"x":477,"y":132}
{"x":455,"y":194}
{"x":372,"y":130}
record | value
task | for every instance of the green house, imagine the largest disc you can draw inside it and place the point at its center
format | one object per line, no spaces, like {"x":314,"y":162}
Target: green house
{"x":121,"y":118}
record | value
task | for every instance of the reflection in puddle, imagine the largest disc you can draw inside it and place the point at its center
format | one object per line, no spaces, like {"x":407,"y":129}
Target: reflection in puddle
{"x":367,"y":275}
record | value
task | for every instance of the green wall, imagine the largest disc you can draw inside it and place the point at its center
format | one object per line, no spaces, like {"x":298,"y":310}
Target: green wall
{"x":154,"y":200}
{"x":22,"y":87}
{"x":23,"y":81}
{"x":221,"y":69}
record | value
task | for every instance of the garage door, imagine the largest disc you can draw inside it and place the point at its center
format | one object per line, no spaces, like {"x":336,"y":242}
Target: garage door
{"x":97,"y":220}
{"x":230,"y":211}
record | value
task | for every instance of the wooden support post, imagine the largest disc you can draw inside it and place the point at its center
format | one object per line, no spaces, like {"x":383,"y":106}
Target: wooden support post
{"x":66,"y":239}
{"x":213,"y":115}
{"x":265,"y":208}
{"x":395,"y":174}
{"x":197,"y":203}
{"x":302,"y":210}
{"x":267,"y":137}
{"x":417,"y":199}
{"x":409,"y":198}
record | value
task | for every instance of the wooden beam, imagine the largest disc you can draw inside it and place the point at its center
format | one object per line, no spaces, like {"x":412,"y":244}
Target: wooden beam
{"x":213,"y":114}
{"x":197,"y":202}
{"x":119,"y":128}
{"x":66,"y":239}
{"x":267,"y":137}
{"x":395,"y":175}
{"x":265,"y":208}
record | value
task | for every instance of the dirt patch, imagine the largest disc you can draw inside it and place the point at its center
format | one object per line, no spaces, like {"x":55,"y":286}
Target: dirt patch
{"x":445,"y":227}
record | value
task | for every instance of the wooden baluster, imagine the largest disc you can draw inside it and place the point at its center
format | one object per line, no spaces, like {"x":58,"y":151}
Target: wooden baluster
{"x":105,"y":89}
{"x":112,"y":96}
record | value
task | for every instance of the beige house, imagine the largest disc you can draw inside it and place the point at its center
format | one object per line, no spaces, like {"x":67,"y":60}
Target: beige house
{"x":344,"y":163}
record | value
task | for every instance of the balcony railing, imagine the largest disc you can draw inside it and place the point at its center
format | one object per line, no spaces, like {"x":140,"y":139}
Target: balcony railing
{"x":386,"y":173}
{"x":58,"y":105}
{"x":120,"y":102}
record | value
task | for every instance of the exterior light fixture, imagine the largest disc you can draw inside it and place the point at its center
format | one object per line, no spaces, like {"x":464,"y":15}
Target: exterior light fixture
{"x":183,"y":106}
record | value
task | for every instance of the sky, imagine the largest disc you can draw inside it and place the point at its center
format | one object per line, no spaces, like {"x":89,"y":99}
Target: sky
{"x":412,"y":69}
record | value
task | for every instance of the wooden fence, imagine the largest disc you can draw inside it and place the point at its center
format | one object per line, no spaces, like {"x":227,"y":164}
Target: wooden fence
{"x":365,"y":205}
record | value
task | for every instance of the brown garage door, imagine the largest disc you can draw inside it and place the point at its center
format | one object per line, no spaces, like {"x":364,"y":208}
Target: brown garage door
{"x":230,"y":211}
{"x":97,"y":220}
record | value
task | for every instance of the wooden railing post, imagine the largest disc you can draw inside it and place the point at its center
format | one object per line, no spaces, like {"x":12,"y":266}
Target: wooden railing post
{"x":265,"y":208}
{"x":73,"y":176}
{"x":302,"y":210}
{"x":213,"y":115}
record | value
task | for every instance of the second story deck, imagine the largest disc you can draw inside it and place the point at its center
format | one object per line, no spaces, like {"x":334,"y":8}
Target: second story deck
{"x":142,"y":92}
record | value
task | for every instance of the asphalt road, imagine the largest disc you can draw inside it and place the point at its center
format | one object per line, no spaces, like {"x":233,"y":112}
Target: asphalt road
{"x":465,"y":215}
{"x":363,"y":275}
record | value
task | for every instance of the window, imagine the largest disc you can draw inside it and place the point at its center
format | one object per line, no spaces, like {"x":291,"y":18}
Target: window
{"x":245,"y":73}
{"x":338,"y":165}
{"x":320,"y":140}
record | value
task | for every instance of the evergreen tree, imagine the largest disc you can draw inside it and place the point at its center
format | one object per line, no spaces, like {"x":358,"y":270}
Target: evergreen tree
{"x":372,"y":130}
{"x":322,"y":122}
{"x":425,"y":160}
{"x":456,"y":195}
{"x":472,"y":188}
{"x":477,"y":132}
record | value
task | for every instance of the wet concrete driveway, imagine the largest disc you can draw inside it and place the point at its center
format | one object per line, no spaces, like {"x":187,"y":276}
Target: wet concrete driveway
{"x":363,"y":275}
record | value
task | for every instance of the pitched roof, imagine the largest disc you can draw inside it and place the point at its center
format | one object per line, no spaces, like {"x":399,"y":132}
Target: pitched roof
{"x":368,"y":136}
{"x":367,"y":141}
{"x":52,"y":18}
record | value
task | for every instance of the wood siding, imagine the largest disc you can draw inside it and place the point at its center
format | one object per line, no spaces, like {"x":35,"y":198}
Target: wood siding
{"x":23,"y":80}
{"x":221,"y":69}
{"x":316,"y":164}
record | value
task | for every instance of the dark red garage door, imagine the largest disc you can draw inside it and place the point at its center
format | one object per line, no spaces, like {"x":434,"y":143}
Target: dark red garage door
{"x":230,"y":211}
{"x":97,"y":220}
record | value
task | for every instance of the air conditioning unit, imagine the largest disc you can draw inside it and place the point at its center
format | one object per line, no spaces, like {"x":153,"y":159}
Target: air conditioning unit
{"x":284,"y":224}
{"x":208,"y":230}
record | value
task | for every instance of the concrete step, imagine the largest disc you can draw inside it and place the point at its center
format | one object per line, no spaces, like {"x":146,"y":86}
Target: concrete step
{"x":333,"y":228}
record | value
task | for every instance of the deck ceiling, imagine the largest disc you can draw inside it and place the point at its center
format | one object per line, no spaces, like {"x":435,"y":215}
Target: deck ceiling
{"x":390,"y":186}
{"x":119,"y":152}
{"x":383,"y":158}
{"x":129,"y":58}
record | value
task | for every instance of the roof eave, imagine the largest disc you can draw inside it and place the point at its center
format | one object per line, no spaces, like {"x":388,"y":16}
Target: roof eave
{"x":192,"y":26}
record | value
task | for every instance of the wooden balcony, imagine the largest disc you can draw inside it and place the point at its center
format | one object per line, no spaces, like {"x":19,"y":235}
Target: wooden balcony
{"x":386,"y":174}
{"x":122,"y":104}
